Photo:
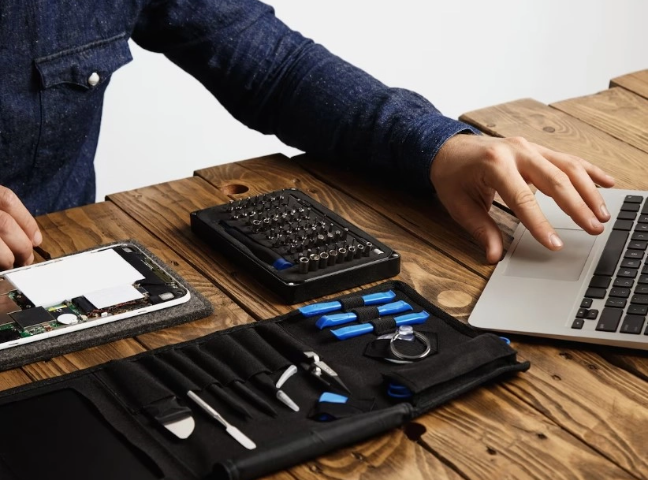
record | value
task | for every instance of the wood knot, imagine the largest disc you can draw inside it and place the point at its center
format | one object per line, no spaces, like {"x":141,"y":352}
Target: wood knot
{"x":541,"y":436}
{"x":549,"y":129}
{"x":453,"y":299}
{"x":234,"y":189}
{"x":556,"y":377}
{"x":565,"y":355}
{"x":491,"y":451}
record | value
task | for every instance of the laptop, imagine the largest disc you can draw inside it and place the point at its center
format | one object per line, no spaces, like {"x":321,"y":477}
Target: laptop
{"x":82,"y":291}
{"x":594,"y":290}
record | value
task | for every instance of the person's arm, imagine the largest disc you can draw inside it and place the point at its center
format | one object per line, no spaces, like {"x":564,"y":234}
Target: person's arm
{"x":277,"y":81}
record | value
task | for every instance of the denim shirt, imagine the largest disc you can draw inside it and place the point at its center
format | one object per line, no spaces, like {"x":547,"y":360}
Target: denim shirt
{"x":57,"y":57}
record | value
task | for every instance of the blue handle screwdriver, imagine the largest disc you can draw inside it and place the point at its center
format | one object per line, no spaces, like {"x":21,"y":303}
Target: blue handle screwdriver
{"x":326,"y":307}
{"x":357,"y":330}
{"x":342,"y":318}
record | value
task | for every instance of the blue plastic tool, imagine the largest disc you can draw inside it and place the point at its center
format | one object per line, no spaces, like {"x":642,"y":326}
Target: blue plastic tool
{"x":398,"y":391}
{"x":342,"y":318}
{"x":357,"y":330}
{"x":326,"y":307}
{"x":330,"y":397}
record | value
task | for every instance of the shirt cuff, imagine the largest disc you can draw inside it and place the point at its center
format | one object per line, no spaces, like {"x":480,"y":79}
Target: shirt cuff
{"x":424,"y":142}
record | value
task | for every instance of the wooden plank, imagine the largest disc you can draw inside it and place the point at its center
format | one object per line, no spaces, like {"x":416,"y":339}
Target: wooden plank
{"x":13,"y":378}
{"x":636,"y":82}
{"x":278,"y":172}
{"x":490,"y":435}
{"x":81,"y":228}
{"x":554,"y":129}
{"x":616,"y":111}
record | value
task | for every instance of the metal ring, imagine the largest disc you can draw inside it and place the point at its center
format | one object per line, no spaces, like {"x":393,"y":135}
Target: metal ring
{"x":402,"y":356}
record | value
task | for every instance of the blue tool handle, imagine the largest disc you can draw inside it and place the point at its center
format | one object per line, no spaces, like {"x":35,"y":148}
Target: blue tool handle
{"x":335,"y":319}
{"x":319,"y":308}
{"x":379,"y":297}
{"x":412,"y":318}
{"x":396,"y":307}
{"x":326,"y":307}
{"x":356,"y":330}
{"x":352,"y":331}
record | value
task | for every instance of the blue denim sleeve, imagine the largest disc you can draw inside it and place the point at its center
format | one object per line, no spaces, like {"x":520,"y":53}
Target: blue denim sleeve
{"x":278,"y":82}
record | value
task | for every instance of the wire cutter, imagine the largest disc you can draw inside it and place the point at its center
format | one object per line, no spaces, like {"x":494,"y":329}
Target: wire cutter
{"x":322,"y":372}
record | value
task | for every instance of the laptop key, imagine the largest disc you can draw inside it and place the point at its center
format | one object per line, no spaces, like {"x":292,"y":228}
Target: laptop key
{"x":586,"y":303}
{"x":627,"y":272}
{"x":615,"y":302}
{"x":620,"y":292}
{"x":609,"y":321}
{"x":591,"y":314}
{"x":641,"y":290}
{"x":637,"y":245}
{"x":632,"y":324}
{"x":595,"y":292}
{"x":640,"y":236}
{"x":625,"y":225}
{"x":630,"y":207}
{"x":623,"y":282}
{"x":611,"y":253}
{"x":626,"y":215}
{"x":599,"y":281}
{"x":630,"y":263}
{"x":578,"y":323}
{"x":639,"y":299}
{"x":638,"y":310}
{"x":633,"y":199}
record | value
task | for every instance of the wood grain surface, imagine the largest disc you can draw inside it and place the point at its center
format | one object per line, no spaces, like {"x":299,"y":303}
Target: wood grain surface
{"x":622,"y":114}
{"x":636,"y":82}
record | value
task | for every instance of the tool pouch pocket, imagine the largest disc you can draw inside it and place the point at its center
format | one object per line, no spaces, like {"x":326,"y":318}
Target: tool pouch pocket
{"x":148,"y":399}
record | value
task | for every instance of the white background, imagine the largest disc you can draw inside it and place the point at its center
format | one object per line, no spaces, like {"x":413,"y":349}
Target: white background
{"x":160,"y":124}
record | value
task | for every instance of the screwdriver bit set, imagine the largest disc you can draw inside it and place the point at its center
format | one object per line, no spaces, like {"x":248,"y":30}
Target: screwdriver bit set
{"x":294,"y":245}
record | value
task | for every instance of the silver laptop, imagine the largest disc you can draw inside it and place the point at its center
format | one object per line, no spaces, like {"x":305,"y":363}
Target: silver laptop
{"x":594,"y":290}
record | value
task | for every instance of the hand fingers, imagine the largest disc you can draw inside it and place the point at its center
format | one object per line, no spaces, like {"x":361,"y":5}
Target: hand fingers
{"x":581,"y":174}
{"x":20,"y":248}
{"x":569,"y":190}
{"x":471,"y":215}
{"x":19,"y":232}
{"x":518,"y":196}
{"x":12,"y":205}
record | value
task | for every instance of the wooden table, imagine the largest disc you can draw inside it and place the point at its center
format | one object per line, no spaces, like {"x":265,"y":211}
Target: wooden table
{"x":579,"y":412}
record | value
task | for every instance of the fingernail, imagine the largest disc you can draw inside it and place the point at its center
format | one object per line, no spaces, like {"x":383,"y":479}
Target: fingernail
{"x":555,"y":240}
{"x":604,"y":211}
{"x":595,"y":224}
{"x":38,"y":238}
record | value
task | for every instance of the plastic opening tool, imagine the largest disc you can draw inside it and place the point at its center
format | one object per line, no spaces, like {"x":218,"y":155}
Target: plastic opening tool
{"x":342,"y":318}
{"x":326,"y":307}
{"x":357,"y":330}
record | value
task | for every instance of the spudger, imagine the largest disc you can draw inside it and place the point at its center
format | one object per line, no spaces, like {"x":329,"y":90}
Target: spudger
{"x":342,"y":318}
{"x":326,"y":307}
{"x":356,"y":330}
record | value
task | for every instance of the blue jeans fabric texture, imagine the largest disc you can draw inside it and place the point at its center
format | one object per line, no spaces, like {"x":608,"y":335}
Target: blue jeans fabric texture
{"x":57,"y":58}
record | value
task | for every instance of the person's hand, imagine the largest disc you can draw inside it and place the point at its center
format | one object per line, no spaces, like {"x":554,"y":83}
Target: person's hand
{"x":469,"y":169}
{"x":19,"y":233}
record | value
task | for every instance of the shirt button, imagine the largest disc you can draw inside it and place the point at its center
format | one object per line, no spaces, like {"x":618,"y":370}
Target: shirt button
{"x":93,"y":79}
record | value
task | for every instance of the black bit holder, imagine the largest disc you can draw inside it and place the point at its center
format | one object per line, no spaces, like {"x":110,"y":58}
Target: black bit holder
{"x":294,"y":245}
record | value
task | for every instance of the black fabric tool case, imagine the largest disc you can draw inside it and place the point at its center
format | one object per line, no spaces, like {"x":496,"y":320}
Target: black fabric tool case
{"x":100,"y":423}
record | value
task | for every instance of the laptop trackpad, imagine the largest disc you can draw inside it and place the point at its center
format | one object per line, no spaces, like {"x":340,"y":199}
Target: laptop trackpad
{"x":532,"y":260}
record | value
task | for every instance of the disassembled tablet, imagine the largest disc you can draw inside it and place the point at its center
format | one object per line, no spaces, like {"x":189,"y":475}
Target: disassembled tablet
{"x":81,"y":291}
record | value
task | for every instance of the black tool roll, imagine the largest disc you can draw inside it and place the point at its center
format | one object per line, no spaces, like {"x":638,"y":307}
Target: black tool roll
{"x":147,"y":417}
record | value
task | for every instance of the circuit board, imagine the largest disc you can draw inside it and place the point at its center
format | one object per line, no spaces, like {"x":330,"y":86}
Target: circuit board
{"x":21,"y":319}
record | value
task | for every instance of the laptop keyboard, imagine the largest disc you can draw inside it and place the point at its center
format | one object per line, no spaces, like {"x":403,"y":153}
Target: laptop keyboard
{"x":617,"y":297}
